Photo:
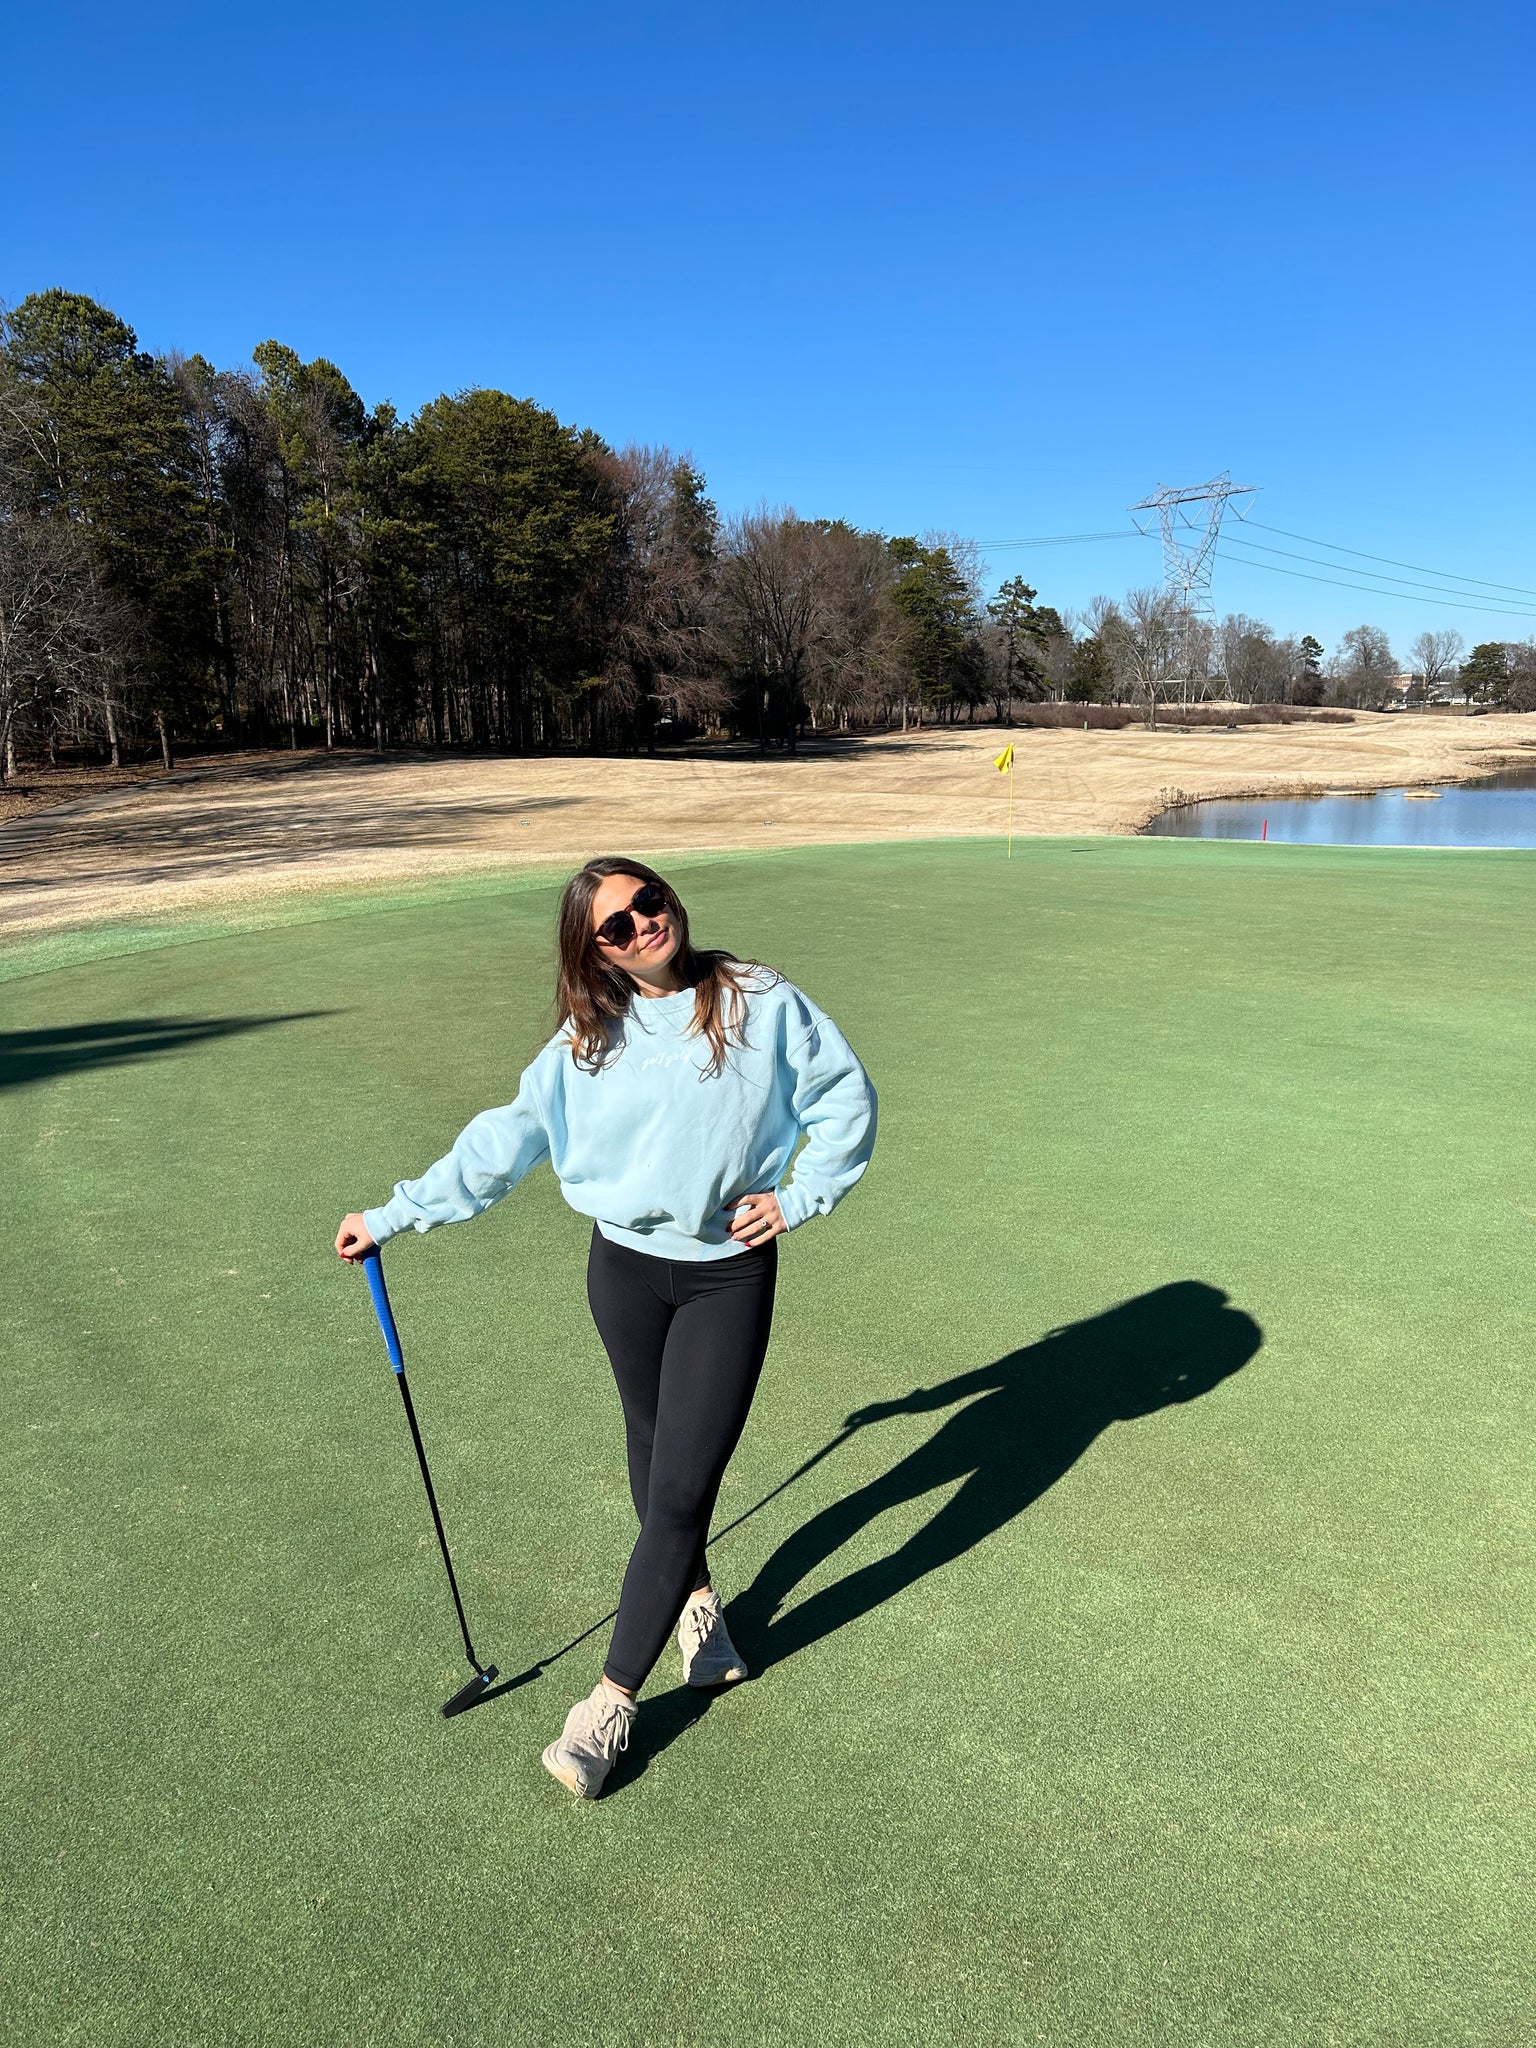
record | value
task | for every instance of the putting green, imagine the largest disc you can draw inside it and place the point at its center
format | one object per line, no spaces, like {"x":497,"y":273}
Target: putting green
{"x":1163,"y":1680}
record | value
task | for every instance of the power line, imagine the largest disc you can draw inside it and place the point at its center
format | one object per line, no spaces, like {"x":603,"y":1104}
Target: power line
{"x":1446,"y":603}
{"x":1458,"y":596}
{"x":1452,"y":589}
{"x":1518,"y":588}
{"x":1064,"y":540}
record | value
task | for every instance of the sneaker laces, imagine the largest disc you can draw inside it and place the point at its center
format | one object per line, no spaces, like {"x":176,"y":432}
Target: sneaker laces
{"x":699,"y":1618}
{"x":610,"y":1729}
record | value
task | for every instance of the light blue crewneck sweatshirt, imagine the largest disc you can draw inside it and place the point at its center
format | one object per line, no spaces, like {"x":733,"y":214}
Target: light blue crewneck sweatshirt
{"x":653,"y":1149}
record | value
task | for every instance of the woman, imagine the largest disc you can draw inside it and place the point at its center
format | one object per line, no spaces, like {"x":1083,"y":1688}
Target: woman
{"x":670,"y":1103}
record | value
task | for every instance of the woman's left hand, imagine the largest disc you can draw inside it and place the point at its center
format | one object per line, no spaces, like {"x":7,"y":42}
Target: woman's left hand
{"x":757,"y":1219}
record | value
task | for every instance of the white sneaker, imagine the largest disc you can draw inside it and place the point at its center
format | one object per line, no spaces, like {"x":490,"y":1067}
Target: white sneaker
{"x":709,"y":1655}
{"x":596,"y":1730}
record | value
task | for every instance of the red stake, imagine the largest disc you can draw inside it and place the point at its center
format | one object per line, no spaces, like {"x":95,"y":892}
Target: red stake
{"x":1265,"y":833}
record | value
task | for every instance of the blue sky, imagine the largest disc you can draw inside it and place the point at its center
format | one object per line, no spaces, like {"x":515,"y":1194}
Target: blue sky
{"x":998,"y":270}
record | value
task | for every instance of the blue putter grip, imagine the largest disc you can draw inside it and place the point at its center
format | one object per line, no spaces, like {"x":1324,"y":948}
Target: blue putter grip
{"x":373,"y":1266}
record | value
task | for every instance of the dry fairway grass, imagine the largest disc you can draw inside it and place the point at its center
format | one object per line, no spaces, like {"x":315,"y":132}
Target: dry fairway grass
{"x":221,"y":831}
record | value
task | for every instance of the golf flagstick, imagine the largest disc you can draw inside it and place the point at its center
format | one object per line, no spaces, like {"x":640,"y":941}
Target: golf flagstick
{"x":373,"y":1266}
{"x":1004,"y":766}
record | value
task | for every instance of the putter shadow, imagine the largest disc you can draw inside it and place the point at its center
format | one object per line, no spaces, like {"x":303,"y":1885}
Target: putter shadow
{"x":506,"y":1685}
{"x":1026,"y":1420}
{"x":717,"y":1536}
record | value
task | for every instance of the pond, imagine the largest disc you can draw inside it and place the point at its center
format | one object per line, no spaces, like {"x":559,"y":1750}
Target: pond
{"x":1497,"y":810}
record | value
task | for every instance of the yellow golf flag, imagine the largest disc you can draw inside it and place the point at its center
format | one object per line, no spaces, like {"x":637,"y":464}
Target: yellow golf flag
{"x":1004,"y":766}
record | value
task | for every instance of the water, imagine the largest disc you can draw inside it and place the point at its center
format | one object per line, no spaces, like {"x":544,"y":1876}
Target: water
{"x":1498,"y":810}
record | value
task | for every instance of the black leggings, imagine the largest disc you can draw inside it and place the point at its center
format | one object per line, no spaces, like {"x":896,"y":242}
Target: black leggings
{"x":686,"y":1339}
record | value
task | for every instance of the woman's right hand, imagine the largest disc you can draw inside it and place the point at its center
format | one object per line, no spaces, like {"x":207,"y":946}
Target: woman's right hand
{"x":354,"y":1240}
{"x":882,"y":1411}
{"x":877,"y":1411}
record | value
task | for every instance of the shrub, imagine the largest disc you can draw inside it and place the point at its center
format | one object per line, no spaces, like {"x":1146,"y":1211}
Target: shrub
{"x":1111,"y":717}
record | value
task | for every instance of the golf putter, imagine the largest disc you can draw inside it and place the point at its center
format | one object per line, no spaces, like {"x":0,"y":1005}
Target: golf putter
{"x":466,"y":1695}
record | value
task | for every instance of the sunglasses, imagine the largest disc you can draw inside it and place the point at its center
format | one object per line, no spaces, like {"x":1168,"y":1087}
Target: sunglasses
{"x":619,"y":930}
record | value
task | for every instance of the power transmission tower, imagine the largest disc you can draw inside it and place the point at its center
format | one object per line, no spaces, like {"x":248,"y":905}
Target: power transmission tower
{"x":1188,"y":562}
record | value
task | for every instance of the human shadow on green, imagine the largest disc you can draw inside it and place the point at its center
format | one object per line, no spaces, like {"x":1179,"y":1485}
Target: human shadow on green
{"x":43,"y":1055}
{"x":1025,"y":1421}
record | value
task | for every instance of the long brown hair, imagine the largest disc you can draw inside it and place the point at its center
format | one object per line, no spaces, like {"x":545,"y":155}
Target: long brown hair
{"x":593,"y":997}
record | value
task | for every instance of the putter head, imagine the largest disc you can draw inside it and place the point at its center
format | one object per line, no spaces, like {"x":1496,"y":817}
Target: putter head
{"x":467,"y":1695}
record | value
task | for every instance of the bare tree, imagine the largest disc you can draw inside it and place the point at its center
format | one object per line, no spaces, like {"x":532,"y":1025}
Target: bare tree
{"x":769,"y":599}
{"x":1364,"y":667}
{"x":1249,"y":660}
{"x":29,"y":585}
{"x":657,"y":612}
{"x":1102,"y":612}
{"x":1521,"y":695}
{"x":58,"y":630}
{"x":966,"y":556}
{"x":1056,"y":664}
{"x":1197,"y":659}
{"x":1093,"y":670}
{"x":1146,"y":646}
{"x":805,"y":619}
{"x":58,"y":634}
{"x":1290,"y":668}
{"x":855,"y":653}
{"x":1433,"y":657}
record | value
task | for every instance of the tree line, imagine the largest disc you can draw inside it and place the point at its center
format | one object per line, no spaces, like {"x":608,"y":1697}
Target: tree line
{"x":1145,"y":649}
{"x":195,"y":557}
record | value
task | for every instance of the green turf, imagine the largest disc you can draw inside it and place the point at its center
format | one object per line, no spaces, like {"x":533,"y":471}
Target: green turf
{"x":1150,"y":1721}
